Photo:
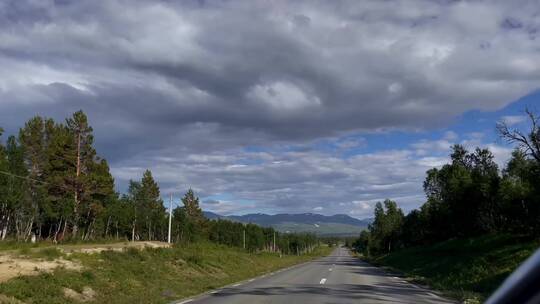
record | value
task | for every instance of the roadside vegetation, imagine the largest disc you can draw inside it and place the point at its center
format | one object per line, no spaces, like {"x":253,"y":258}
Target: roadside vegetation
{"x":57,"y":198}
{"x":55,"y":188}
{"x":468,"y":268}
{"x":478,"y":224}
{"x":152,"y":275}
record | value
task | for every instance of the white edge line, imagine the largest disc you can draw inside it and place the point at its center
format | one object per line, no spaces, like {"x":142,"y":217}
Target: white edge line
{"x":200,"y":296}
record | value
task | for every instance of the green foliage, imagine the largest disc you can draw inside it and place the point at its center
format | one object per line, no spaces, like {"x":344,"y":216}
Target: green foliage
{"x":55,"y":184}
{"x":385,"y":231}
{"x":465,"y":268}
{"x":474,"y":206}
{"x":468,"y":197}
{"x":145,"y":209}
{"x":152,"y":275}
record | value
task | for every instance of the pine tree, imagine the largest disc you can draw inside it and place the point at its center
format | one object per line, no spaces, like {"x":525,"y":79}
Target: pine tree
{"x":84,"y":155}
{"x":16,"y":191}
{"x":5,"y":208}
{"x":34,"y":144}
{"x":150,"y":212}
{"x":99,"y":194}
{"x":195,"y":220}
{"x":60,"y":178}
{"x":153,"y":206}
{"x":191,"y":204}
{"x":103,"y":197}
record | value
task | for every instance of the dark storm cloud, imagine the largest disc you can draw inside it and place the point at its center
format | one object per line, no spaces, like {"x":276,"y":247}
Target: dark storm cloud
{"x":163,"y":81}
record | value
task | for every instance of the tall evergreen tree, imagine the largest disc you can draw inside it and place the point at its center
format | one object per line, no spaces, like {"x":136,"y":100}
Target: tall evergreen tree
{"x":34,"y":141}
{"x":151,"y":203}
{"x":16,"y":191}
{"x":191,"y":204}
{"x":193,"y":214}
{"x":5,"y":208}
{"x":84,"y":155}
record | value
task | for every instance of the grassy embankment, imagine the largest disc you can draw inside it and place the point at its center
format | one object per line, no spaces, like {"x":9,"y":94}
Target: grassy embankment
{"x":158,"y":275}
{"x":462,"y":268}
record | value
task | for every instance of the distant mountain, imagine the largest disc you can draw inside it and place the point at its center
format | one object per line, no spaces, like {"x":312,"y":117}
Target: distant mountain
{"x":214,"y":216}
{"x":339,"y":224}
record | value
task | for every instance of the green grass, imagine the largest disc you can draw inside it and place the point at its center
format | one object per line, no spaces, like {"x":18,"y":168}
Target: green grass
{"x":158,"y":275}
{"x":14,"y":245}
{"x":46,"y":253}
{"x":463,"y":268}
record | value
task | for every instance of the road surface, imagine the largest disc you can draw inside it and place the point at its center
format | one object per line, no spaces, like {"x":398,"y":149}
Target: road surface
{"x":338,"y":278}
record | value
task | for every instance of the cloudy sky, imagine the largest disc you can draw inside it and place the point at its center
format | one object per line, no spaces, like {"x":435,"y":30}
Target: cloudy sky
{"x":275,"y":106}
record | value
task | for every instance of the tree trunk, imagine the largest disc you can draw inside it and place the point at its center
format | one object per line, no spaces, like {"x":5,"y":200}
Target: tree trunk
{"x":107,"y":227}
{"x":133,"y":232}
{"x":28,"y":230}
{"x":5,"y":229}
{"x":148,"y":227}
{"x":90,"y":230}
{"x":49,"y":234}
{"x":57,"y":230}
{"x":78,"y":172}
{"x":65,"y":227}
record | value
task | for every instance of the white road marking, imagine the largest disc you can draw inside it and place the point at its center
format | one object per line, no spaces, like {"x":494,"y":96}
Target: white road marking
{"x":251,"y":280}
{"x":236,"y":285}
{"x":330,"y":269}
{"x":323,"y":280}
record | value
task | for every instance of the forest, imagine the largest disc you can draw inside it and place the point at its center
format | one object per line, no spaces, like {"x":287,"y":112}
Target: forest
{"x":468,"y":197}
{"x":54,"y":186}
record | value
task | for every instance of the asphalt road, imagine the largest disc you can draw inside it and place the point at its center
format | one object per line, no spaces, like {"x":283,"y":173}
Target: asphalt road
{"x":338,"y":278}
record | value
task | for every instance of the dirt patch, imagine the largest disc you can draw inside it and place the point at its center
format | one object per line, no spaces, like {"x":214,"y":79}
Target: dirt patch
{"x":9,"y":300}
{"x":114,"y":247}
{"x":87,"y":295}
{"x":12,"y":264}
{"x":11,"y":267}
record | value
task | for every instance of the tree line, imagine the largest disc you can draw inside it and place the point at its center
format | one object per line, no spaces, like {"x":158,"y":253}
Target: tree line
{"x":54,"y":186}
{"x":467,"y":197}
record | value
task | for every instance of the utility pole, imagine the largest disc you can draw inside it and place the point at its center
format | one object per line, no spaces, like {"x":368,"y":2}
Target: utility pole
{"x":244,"y":238}
{"x":170,"y":219}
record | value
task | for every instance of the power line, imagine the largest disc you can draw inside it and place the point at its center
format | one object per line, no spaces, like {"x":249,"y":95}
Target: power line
{"x":35,"y":180}
{"x":23,"y":177}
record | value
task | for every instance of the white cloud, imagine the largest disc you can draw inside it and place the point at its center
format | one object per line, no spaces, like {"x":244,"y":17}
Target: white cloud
{"x":511,"y":120}
{"x":189,"y":89}
{"x":282,"y":95}
{"x":223,"y":207}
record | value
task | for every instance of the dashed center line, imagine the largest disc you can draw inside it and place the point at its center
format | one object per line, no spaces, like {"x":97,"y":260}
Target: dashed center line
{"x":330,"y":269}
{"x":323,"y":280}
